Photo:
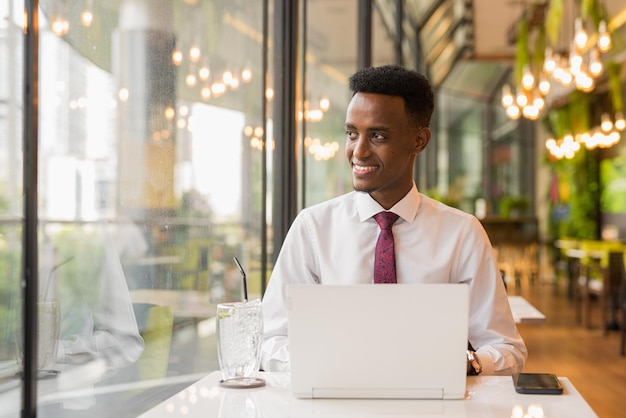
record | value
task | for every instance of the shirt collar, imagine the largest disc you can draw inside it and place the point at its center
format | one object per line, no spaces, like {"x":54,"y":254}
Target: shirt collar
{"x":406,"y":208}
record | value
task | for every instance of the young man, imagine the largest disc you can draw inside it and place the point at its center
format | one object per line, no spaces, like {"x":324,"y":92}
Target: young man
{"x":334,"y":242}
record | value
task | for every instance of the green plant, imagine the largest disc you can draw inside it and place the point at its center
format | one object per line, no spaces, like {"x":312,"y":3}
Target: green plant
{"x":574,"y":206}
{"x":511,"y":206}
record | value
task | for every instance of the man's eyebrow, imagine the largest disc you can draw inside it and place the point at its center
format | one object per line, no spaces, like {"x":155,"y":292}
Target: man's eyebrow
{"x":369,"y":128}
{"x":378,"y":128}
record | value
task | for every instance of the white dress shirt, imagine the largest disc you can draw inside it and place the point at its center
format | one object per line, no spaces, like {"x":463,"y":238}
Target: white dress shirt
{"x":333,"y":243}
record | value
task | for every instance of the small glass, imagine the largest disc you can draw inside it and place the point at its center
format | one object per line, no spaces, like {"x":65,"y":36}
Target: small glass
{"x":48,"y":334}
{"x":48,"y":338}
{"x":239,"y":332}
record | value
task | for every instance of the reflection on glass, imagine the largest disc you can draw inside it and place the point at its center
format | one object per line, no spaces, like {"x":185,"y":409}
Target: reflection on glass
{"x":146,"y":180}
{"x":96,"y":313}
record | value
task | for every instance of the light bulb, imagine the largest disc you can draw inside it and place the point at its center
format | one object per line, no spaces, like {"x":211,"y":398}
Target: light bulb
{"x":620,"y":123}
{"x":325,"y":104}
{"x":190,"y":80}
{"x":218,"y":88}
{"x":583,"y":81}
{"x":227,"y":77}
{"x":544,"y":86}
{"x":177,"y":56}
{"x":521,"y":99}
{"x":513,"y":112}
{"x":566,"y":78}
{"x":538,"y":101}
{"x":575,"y":63}
{"x":86,"y":18}
{"x":549,"y":64}
{"x":530,"y":112}
{"x":528,"y":80}
{"x":204,"y":73}
{"x":595,"y":65}
{"x":604,"y":39}
{"x":580,"y":36}
{"x":606,"y":125}
{"x":507,"y":96}
{"x":60,"y":26}
{"x":246,"y":75}
{"x":194,"y":54}
{"x":169,"y":113}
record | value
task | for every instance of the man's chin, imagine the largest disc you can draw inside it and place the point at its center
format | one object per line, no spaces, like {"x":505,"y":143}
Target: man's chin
{"x":362,"y":188}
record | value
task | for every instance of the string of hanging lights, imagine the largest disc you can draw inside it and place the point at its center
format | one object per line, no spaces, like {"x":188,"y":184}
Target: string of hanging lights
{"x":559,"y":70}
{"x":581,"y":65}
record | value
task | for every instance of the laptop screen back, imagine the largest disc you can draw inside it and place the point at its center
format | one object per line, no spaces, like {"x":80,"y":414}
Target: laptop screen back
{"x":403,"y":341}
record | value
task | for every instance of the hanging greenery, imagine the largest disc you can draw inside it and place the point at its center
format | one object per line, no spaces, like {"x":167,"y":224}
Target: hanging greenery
{"x":574,"y":212}
{"x":614,"y":70}
{"x":522,"y":57}
{"x":554,"y":19}
{"x":573,"y":118}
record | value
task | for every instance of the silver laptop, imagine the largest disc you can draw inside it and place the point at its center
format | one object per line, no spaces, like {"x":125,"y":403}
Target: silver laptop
{"x":402,"y":341}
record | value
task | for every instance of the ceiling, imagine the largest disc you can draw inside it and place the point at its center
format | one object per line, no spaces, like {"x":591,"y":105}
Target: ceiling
{"x":332,"y":35}
{"x":477,"y":73}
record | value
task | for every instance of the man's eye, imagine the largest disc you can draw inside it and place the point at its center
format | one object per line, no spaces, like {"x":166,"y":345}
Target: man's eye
{"x":378,"y":136}
{"x":351,"y":134}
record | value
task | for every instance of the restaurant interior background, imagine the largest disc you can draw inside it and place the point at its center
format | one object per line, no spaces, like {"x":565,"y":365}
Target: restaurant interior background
{"x":155,"y":140}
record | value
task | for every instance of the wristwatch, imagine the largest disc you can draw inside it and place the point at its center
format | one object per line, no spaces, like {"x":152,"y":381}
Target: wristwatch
{"x":474,"y":368}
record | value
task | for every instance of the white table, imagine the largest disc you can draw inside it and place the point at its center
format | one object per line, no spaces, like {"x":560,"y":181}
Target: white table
{"x":488,"y":396}
{"x":523,"y":311}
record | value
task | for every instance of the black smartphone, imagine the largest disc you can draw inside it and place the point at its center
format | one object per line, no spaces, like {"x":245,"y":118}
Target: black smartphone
{"x":537,"y":383}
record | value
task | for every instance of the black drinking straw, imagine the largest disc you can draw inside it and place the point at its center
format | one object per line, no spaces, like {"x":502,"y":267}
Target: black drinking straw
{"x":46,"y":288}
{"x":245,"y":284}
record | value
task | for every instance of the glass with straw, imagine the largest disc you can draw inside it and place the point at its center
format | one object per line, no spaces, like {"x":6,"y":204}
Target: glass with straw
{"x":239,"y":332}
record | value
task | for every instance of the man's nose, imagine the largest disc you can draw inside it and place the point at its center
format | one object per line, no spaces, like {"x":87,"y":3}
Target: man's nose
{"x":361,"y":148}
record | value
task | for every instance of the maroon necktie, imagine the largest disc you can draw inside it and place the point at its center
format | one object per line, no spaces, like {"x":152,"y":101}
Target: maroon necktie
{"x":385,"y":256}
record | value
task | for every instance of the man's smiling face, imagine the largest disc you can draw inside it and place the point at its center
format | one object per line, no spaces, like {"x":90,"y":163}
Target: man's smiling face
{"x":381,"y":145}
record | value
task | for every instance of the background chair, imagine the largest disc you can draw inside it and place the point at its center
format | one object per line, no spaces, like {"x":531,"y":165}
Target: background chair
{"x":155,"y":325}
{"x":599,"y":278}
{"x":622,"y":305}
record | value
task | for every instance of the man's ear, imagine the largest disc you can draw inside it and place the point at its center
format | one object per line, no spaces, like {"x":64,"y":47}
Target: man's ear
{"x":422,"y":137}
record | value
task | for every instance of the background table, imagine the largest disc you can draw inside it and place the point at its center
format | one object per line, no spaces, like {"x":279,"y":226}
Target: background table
{"x":523,"y":311}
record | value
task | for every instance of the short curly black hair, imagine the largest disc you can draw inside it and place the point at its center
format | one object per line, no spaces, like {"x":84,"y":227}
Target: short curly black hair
{"x":394,"y":80}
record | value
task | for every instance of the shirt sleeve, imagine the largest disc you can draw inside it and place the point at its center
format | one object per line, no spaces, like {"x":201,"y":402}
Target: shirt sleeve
{"x":492,"y":329}
{"x":296,"y":263}
{"x":109,"y":328}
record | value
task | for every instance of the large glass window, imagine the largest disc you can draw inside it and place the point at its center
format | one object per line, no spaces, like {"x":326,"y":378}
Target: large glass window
{"x":329,"y":62}
{"x":459,"y":142}
{"x":11,"y":193}
{"x":151,"y":130}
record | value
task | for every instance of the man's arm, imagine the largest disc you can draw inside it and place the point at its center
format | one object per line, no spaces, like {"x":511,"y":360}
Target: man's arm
{"x":492,"y":329}
{"x":295,"y":264}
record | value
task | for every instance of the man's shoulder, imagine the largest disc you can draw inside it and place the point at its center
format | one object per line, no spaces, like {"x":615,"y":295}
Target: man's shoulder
{"x":344,"y":200}
{"x":345,"y":203}
{"x":430,"y":205}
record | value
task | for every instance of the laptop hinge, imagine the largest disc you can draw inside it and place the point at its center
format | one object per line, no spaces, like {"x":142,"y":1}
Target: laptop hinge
{"x":377,"y":393}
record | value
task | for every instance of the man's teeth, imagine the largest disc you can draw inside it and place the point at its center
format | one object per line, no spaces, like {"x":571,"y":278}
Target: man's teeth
{"x":363,"y":168}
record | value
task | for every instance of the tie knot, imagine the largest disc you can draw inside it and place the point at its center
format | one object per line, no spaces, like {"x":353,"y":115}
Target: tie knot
{"x":385,"y":219}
